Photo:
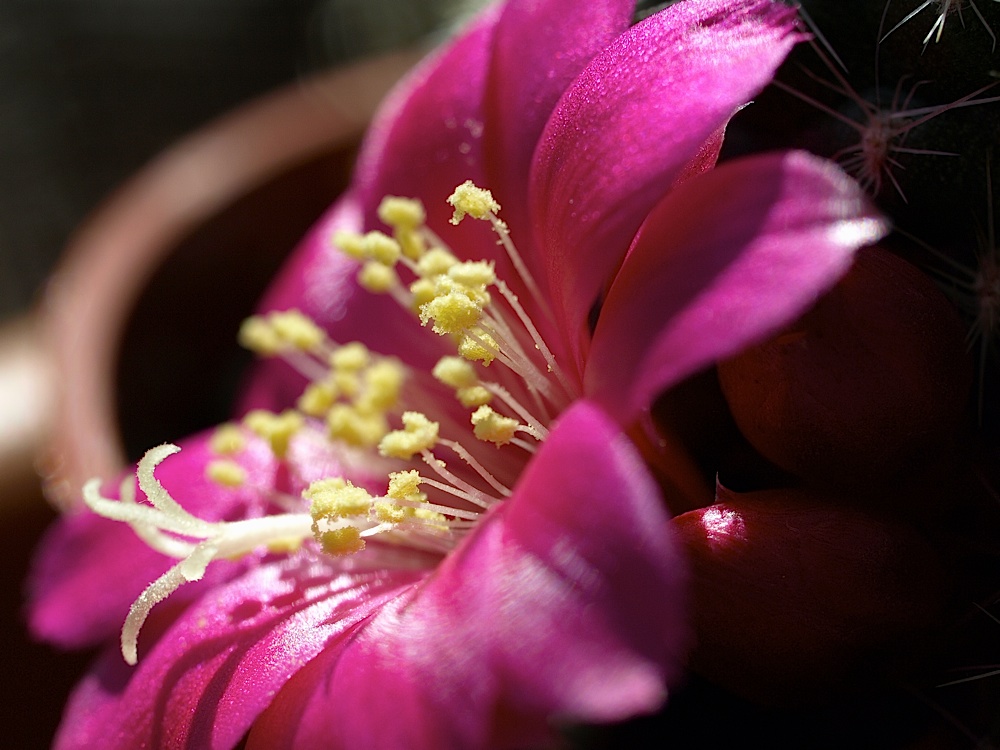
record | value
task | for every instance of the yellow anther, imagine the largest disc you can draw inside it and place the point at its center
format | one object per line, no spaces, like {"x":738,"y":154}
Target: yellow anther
{"x":402,"y":213}
{"x":347,"y":382}
{"x":317,"y":398}
{"x":472,"y":396}
{"x":341,"y":542}
{"x":225,"y":472}
{"x":392,"y":513}
{"x":432,"y":518}
{"x":382,"y":248}
{"x":335,"y":498}
{"x":297,"y":330}
{"x":492,"y":427}
{"x":404,"y":485}
{"x":383,"y":384}
{"x":447,"y":285}
{"x":350,"y":357}
{"x":474,"y":201}
{"x":349,"y":425}
{"x":473,"y":273}
{"x":257,"y":335}
{"x":452,"y":313}
{"x":324,"y":485}
{"x":473,"y":351}
{"x":423,"y":291}
{"x":411,"y":243}
{"x":418,"y":434}
{"x":227,"y":440}
{"x":435,"y":262}
{"x":455,"y":372}
{"x":377,"y":278}
{"x":351,"y":244}
{"x":277,"y":429}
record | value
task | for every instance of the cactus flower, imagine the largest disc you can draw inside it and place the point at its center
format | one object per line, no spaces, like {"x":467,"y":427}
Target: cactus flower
{"x":430,"y":528}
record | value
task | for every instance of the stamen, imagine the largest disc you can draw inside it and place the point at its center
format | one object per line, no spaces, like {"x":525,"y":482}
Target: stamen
{"x":472,"y":201}
{"x":227,"y":440}
{"x":378,"y":278}
{"x":478,"y":346}
{"x":318,"y":398}
{"x":418,"y":435}
{"x":277,"y":429}
{"x":492,"y":427}
{"x":536,"y":337}
{"x":358,"y":394}
{"x":402,"y":213}
{"x":227,"y":473}
{"x":444,"y":510}
{"x":477,"y":497}
{"x":540,"y":432}
{"x":218,"y":540}
{"x":464,"y":454}
{"x":524,"y":444}
{"x":511,"y":356}
{"x":519,"y":265}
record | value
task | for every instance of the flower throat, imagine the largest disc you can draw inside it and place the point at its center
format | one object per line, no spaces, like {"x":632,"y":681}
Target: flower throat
{"x":372,"y":410}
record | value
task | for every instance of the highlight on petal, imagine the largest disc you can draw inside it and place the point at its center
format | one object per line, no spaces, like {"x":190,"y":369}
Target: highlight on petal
{"x":545,"y":613}
{"x":214,"y":670}
{"x":629,"y":126}
{"x":722,"y":262}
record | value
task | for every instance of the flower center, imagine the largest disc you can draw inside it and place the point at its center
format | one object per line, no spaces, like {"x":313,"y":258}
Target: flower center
{"x":373,"y":411}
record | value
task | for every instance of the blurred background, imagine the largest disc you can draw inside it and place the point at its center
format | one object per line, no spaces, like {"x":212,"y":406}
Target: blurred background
{"x":90,"y":91}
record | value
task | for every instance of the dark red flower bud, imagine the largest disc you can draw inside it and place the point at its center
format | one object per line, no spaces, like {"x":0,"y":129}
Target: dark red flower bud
{"x":795,"y":594}
{"x":872,"y":381}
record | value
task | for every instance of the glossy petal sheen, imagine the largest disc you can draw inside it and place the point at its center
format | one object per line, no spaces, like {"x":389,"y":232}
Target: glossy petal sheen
{"x":631,"y":124}
{"x":722,"y":262}
{"x":216,"y":668}
{"x":545,"y":611}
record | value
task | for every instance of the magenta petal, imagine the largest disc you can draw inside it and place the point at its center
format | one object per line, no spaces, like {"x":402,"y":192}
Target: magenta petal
{"x":632,"y":123}
{"x":415,"y":144}
{"x":539,"y":48}
{"x":427,"y":139}
{"x":210,"y":675}
{"x":318,"y":280}
{"x":722,"y":262}
{"x":89,"y":570}
{"x":565,"y":603}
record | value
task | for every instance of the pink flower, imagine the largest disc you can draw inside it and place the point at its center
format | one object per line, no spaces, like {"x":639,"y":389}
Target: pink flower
{"x":526,"y":583}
